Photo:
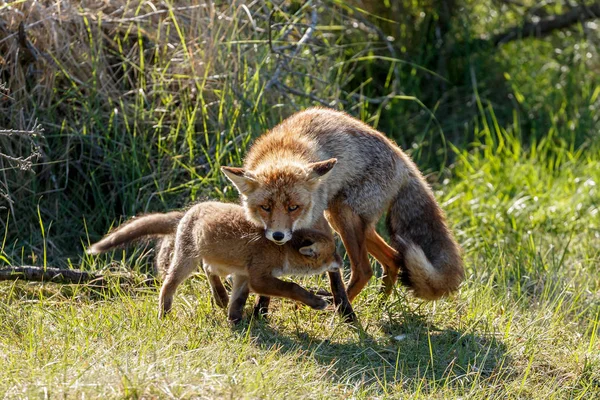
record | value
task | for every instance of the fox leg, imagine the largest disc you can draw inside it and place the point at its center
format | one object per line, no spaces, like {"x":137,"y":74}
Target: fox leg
{"x":261,"y":306}
{"x":163,"y":258}
{"x":218,"y":290}
{"x":181,"y":267}
{"x":340,"y":297}
{"x":239,"y":295}
{"x":270,"y":286}
{"x":352,"y":230}
{"x":387,"y":257}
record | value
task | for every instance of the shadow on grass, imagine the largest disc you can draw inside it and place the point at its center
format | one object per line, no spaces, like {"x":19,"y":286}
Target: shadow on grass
{"x":420,"y":356}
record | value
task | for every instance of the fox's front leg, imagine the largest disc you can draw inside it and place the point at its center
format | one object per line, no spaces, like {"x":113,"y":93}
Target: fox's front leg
{"x":340,"y":297}
{"x":268,"y":285}
{"x":338,"y":291}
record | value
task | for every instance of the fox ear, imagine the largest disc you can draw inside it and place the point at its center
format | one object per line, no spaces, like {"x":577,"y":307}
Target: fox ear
{"x":320,"y":169}
{"x":243,"y":181}
{"x":309,"y":251}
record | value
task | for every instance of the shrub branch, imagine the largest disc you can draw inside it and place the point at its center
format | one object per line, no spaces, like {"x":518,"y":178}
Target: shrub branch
{"x":69,"y":276}
{"x":548,"y":25}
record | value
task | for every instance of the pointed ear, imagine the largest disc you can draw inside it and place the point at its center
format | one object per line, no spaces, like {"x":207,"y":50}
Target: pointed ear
{"x":309,"y":251}
{"x":320,"y":169}
{"x":243,"y":181}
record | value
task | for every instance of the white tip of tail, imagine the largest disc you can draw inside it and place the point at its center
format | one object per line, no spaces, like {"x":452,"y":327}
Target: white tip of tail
{"x":92,"y":251}
{"x":415,"y":256}
{"x":426,"y":281}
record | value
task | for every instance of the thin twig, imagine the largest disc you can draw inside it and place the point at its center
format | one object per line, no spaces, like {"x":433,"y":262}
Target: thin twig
{"x":388,"y":44}
{"x":309,"y":95}
{"x":151,"y":14}
{"x":307,"y":35}
{"x":18,"y":132}
{"x":24,"y":164}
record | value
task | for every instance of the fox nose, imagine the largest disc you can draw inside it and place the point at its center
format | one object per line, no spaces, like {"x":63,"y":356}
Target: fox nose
{"x":278,"y":236}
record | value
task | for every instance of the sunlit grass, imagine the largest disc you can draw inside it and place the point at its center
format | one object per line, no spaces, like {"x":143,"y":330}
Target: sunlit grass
{"x":140,"y":113}
{"x":525,"y":323}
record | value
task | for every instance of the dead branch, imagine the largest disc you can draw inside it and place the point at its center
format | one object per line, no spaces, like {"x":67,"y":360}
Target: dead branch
{"x":23,"y":163}
{"x":286,"y":58}
{"x":18,"y":132}
{"x":548,"y":25}
{"x":69,"y":276}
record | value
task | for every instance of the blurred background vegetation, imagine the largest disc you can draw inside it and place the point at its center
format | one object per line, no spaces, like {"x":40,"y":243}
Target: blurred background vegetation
{"x":114,"y":108}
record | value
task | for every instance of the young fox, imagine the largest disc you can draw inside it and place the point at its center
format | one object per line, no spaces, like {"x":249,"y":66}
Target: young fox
{"x":219,"y":236}
{"x":321,"y":159}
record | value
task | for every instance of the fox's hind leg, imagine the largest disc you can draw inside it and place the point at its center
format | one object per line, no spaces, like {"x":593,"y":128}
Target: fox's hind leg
{"x":181,"y":267}
{"x":163,"y":258}
{"x":239,"y":296}
{"x":388,"y":257}
{"x":352,"y":229}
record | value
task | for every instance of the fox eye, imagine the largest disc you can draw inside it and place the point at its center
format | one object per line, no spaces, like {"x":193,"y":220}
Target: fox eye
{"x":266,"y":208}
{"x":293,"y":208}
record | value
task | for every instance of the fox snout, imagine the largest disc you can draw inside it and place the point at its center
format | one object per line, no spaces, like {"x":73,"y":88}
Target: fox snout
{"x":278,"y":237}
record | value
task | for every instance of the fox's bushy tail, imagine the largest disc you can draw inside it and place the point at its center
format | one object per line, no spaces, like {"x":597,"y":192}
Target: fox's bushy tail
{"x":139,"y":228}
{"x":430,"y":259}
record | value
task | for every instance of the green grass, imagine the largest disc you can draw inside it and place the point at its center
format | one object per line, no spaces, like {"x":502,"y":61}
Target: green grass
{"x":524,"y":325}
{"x":141,"y":109}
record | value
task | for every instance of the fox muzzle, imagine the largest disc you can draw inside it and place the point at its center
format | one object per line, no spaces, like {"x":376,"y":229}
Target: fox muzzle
{"x":278,"y":237}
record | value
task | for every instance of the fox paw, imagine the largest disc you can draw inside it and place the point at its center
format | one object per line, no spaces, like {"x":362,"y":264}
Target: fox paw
{"x":320,"y":304}
{"x":234,"y":322}
{"x":324,"y":293}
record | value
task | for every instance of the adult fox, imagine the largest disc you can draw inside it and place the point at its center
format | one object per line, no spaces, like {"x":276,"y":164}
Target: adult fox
{"x":323,"y":160}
